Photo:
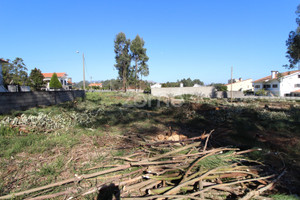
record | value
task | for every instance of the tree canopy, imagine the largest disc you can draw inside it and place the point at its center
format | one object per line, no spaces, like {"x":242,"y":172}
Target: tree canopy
{"x":123,"y":57}
{"x":36,"y":79}
{"x":140,"y":58}
{"x":186,"y":83}
{"x":54,"y":82}
{"x":15,"y":72}
{"x":126,"y":52}
{"x":293,"y":44}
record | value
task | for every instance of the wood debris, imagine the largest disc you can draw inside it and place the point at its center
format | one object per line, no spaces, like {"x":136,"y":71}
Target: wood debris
{"x":191,"y":171}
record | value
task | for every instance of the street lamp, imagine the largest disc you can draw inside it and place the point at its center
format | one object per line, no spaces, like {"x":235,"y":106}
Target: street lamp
{"x":83,"y":70}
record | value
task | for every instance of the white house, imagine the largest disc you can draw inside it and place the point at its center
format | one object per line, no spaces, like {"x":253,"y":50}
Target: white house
{"x":62,"y":77}
{"x":2,"y":88}
{"x":279,"y":84}
{"x":240,"y":85}
{"x":156,"y":85}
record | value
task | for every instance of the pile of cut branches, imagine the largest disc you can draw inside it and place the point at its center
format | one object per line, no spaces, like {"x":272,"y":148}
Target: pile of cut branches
{"x":168,"y":170}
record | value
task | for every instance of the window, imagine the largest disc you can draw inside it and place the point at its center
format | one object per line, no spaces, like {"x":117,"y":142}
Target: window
{"x":274,"y":86}
{"x":298,"y":75}
{"x":267,"y":86}
{"x":297,"y":85}
{"x":257,"y":86}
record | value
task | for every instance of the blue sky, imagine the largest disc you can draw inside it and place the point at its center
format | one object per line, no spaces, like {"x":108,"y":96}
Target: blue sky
{"x":186,"y":38}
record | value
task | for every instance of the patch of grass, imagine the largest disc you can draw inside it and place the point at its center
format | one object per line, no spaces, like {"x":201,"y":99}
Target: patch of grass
{"x":284,"y":197}
{"x":15,"y":144}
{"x":8,"y":131}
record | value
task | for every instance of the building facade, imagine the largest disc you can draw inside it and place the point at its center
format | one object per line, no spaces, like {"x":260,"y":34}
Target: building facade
{"x":279,"y":84}
{"x":65,"y":81}
{"x":240,"y":85}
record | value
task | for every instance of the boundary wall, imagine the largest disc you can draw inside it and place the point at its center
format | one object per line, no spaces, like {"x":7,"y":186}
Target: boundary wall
{"x":23,"y":100}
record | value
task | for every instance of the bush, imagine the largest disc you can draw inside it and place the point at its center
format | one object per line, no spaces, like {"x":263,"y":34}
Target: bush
{"x":147,"y":90}
{"x":54,"y":82}
{"x":261,"y":92}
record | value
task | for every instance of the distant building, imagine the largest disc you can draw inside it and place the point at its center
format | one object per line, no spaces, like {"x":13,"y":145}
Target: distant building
{"x":240,"y":85}
{"x":280,"y":84}
{"x":156,"y":85}
{"x":95,"y":85}
{"x":62,"y":77}
{"x":2,"y":88}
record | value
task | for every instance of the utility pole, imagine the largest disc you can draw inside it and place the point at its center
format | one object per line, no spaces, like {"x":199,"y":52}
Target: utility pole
{"x":231,"y":84}
{"x":83,"y":72}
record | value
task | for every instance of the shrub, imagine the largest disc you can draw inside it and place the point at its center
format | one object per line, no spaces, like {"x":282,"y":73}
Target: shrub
{"x":54,"y":82}
{"x":261,"y":92}
{"x":147,"y":90}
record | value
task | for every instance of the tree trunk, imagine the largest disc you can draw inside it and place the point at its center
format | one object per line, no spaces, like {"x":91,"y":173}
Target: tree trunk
{"x":136,"y":75}
{"x":124,"y":78}
{"x":140,"y":82}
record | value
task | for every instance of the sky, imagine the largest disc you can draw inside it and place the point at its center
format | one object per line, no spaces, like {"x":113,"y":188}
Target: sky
{"x":194,"y":39}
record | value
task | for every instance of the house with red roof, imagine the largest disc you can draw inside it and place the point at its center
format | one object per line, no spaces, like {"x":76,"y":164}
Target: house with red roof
{"x":280,"y":84}
{"x":95,"y":85}
{"x":65,"y":81}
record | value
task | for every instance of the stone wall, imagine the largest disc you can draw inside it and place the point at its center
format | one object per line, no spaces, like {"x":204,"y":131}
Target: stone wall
{"x":23,"y":100}
{"x":204,"y":91}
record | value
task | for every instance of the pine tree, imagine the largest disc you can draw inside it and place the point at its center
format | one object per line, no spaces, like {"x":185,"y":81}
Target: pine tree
{"x":54,"y":82}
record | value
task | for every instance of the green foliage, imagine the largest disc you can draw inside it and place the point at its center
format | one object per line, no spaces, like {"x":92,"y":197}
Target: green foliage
{"x":293,"y":44}
{"x":147,"y":90}
{"x":36,"y":79}
{"x":79,"y":85}
{"x":112,"y":84}
{"x":15,"y":72}
{"x":186,"y":83}
{"x":220,"y":86}
{"x":261,"y":92}
{"x":123,"y":57}
{"x":140,"y":58}
{"x":284,"y":197}
{"x":54,"y":82}
{"x":7,"y":131}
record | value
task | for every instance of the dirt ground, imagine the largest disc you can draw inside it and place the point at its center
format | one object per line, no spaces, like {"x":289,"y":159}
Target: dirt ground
{"x":121,"y":130}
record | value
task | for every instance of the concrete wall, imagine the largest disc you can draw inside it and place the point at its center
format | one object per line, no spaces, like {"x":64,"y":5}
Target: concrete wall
{"x":227,"y":94}
{"x":23,"y":100}
{"x":204,"y":91}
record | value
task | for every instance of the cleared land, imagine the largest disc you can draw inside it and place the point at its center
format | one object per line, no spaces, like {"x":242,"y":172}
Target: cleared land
{"x":51,"y":144}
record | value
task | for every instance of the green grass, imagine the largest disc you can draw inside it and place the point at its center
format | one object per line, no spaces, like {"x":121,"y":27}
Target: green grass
{"x":284,"y":197}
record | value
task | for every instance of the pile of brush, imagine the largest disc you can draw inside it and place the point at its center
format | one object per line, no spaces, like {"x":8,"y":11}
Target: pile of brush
{"x":163,"y":170}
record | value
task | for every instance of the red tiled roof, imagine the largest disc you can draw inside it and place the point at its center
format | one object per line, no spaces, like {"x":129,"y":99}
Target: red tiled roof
{"x":268,"y":78}
{"x":296,"y":91}
{"x":49,"y":75}
{"x":2,"y":60}
{"x":95,"y":84}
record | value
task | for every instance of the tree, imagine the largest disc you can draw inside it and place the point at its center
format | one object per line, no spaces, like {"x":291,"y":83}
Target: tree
{"x":139,"y":56}
{"x":219,"y":86}
{"x":293,"y":44}
{"x":15,"y":72}
{"x":54,"y":82}
{"x":123,"y":57}
{"x":36,"y":79}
